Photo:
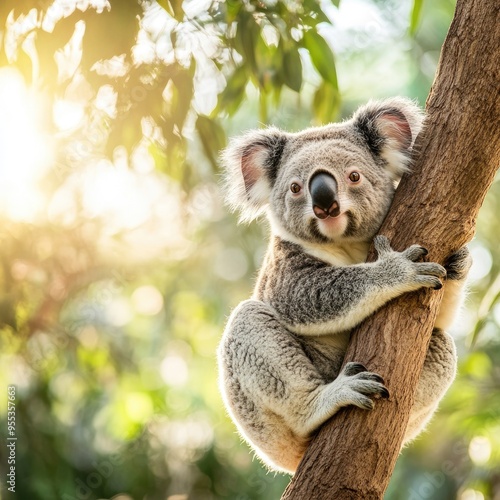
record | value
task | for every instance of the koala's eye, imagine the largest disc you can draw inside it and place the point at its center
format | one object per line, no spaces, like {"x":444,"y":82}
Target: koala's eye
{"x":354,"y":176}
{"x":295,"y":188}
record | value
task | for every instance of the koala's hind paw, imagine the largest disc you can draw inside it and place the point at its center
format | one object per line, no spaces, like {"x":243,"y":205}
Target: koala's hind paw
{"x":360,"y":386}
{"x":457,"y":265}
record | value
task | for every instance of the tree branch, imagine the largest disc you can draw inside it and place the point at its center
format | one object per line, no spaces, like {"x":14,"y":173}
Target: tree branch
{"x":354,"y":454}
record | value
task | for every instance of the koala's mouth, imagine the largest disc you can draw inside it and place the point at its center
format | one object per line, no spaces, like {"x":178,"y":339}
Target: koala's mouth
{"x":331,"y":228}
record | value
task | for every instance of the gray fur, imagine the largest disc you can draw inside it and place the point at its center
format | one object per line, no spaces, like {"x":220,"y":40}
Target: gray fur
{"x":281,"y":354}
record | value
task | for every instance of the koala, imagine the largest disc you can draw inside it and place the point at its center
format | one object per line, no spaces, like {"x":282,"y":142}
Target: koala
{"x":325,"y":192}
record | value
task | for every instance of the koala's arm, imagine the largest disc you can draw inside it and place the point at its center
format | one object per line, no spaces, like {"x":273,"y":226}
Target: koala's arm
{"x":312,"y":297}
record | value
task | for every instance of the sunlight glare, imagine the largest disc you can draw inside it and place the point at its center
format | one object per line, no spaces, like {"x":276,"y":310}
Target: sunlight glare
{"x":145,"y":209}
{"x":25,"y":151}
{"x":68,"y":115}
{"x":115,"y":194}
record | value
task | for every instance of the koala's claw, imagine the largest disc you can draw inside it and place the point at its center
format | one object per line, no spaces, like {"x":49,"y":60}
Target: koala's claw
{"x":361,"y":386}
{"x":383,"y":247}
{"x":352,"y":369}
{"x":430,"y":269}
{"x":415,"y":252}
{"x":430,"y":274}
{"x":429,"y":281}
{"x":370,"y":376}
{"x":418,"y":274}
{"x":364,"y":403}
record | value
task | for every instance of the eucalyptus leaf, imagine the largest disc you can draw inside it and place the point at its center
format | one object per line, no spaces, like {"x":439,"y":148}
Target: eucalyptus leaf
{"x":415,"y":16}
{"x":292,"y":69}
{"x":231,"y":97}
{"x":248,"y":35}
{"x":326,"y":103}
{"x":321,"y":56}
{"x":212,"y":136}
{"x":315,"y":13}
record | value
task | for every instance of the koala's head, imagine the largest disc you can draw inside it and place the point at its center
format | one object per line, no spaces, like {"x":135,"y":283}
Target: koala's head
{"x":329,"y":184}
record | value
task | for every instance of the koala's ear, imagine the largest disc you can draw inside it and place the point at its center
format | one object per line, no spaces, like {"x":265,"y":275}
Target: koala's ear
{"x":390,"y":128}
{"x":251,"y":165}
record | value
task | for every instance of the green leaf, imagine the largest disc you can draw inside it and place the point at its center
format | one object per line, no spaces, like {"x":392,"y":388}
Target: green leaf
{"x":118,"y":27}
{"x":314,"y":13}
{"x":126,"y":132}
{"x":266,"y":64}
{"x":159,"y":156}
{"x":478,"y":365}
{"x":173,"y":7}
{"x":48,"y":43}
{"x":230,"y":98}
{"x":165,"y":5}
{"x":247,"y":37}
{"x":326,"y":103}
{"x":184,"y":89}
{"x":321,"y":56}
{"x":233,"y":9}
{"x":292,"y":69}
{"x":212,"y":136}
{"x":478,"y":328}
{"x":415,"y":16}
{"x":277,"y":94}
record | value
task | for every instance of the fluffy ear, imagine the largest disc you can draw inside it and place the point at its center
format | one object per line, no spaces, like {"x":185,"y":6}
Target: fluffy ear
{"x":390,"y":128}
{"x":251,"y":166}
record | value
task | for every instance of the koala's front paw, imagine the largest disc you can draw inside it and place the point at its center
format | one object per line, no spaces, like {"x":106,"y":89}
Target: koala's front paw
{"x":457,"y":265}
{"x":402,"y":266}
{"x":359,"y":386}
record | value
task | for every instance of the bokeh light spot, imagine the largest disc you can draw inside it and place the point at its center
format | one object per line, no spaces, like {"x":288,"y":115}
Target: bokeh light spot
{"x":174,"y":370}
{"x":482,"y":262}
{"x":147,"y":300}
{"x":470,"y":494}
{"x":480,"y":449}
{"x":118,"y":312}
{"x":139,"y":406}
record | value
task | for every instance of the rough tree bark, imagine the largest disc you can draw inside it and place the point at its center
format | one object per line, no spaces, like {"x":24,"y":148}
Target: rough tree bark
{"x":354,"y":454}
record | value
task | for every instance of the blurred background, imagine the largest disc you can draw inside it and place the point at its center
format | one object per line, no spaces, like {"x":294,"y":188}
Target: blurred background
{"x":119,"y":263}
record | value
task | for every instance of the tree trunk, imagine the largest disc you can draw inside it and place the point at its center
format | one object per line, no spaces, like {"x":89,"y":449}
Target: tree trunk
{"x":354,"y":454}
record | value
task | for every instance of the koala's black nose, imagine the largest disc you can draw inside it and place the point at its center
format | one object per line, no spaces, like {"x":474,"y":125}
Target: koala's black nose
{"x":323,"y":189}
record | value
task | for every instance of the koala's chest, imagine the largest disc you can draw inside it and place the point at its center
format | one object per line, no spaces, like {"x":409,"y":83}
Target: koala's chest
{"x":338,"y":256}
